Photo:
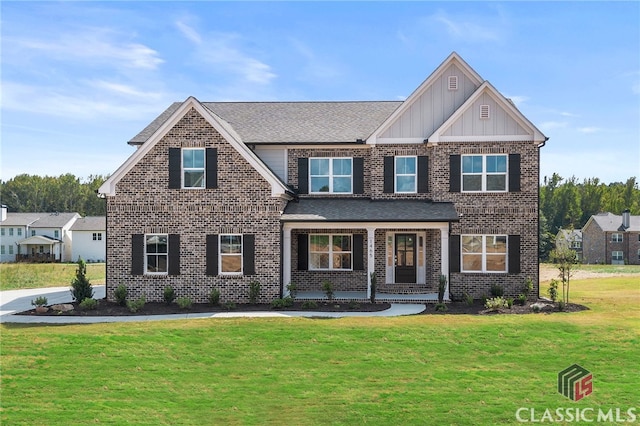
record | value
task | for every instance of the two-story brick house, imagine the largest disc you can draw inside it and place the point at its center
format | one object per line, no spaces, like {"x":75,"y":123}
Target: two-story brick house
{"x":220,"y":194}
{"x":612,"y":239}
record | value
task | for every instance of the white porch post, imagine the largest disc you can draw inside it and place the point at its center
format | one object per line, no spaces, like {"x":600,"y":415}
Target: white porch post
{"x":444,"y":256}
{"x":286,"y":259}
{"x":371,"y":257}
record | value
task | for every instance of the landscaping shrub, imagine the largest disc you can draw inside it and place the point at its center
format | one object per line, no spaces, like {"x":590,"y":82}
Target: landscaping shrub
{"x":287,"y":302}
{"x":214,"y":297}
{"x":310,"y":304}
{"x":354,"y":305}
{"x":496,"y":290}
{"x":327,"y":287}
{"x":136,"y":305}
{"x":441,"y":307}
{"x":39,"y":301}
{"x":442,"y":286}
{"x":509,"y":302}
{"x":80,"y":286}
{"x":468,"y":299}
{"x":293,"y":290}
{"x":120,"y":295}
{"x":88,"y":304}
{"x":229,"y":306}
{"x":374,"y":282}
{"x":528,"y":287}
{"x":254,"y":292}
{"x":496,"y":303}
{"x":184,"y":302}
{"x":553,"y":290}
{"x":521,"y":299}
{"x":169,"y":295}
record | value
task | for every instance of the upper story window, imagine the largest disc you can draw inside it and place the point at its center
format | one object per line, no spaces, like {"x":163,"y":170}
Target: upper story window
{"x":33,"y":232}
{"x":330,"y":175}
{"x":230,"y":254}
{"x":193,"y":168}
{"x":2,"y":231}
{"x":576,"y":244}
{"x":329,"y":252}
{"x":10,"y":232}
{"x":406,"y":175}
{"x":484,"y":253}
{"x":616,"y":238}
{"x":19,"y":232}
{"x":156,"y":250}
{"x":617,"y":256}
{"x":56,"y":234}
{"x":97,"y":236}
{"x":484,"y":173}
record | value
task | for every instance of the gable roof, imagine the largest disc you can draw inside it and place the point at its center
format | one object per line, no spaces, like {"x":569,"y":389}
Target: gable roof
{"x":39,"y":239}
{"x":278,"y":188}
{"x":90,"y":223}
{"x":291,"y":122}
{"x":21,"y":219}
{"x":39,"y":220}
{"x":570,"y":234}
{"x":610,"y":222}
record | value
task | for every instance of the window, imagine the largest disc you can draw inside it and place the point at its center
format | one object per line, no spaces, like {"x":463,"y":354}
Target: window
{"x":231,"y":254}
{"x":19,"y":232}
{"x":617,"y":256}
{"x":33,"y":232}
{"x":330,"y":175}
{"x":156,"y":249}
{"x":328,"y":252}
{"x":576,"y":244}
{"x":97,"y":236}
{"x":2,"y":231}
{"x":616,"y":238}
{"x":56,"y":234}
{"x":2,"y":250}
{"x":193,"y":170}
{"x":484,"y":173}
{"x":484,"y":253}
{"x":406,"y":175}
{"x":638,"y":254}
{"x":10,"y":249}
{"x":10,"y":232}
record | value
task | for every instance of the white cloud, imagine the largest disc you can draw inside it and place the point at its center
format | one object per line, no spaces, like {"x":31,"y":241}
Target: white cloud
{"x":518,"y":100}
{"x":550,"y":125}
{"x":124,"y":90}
{"x":189,"y":32}
{"x":568,"y":114}
{"x":589,"y":129}
{"x":468,"y":29}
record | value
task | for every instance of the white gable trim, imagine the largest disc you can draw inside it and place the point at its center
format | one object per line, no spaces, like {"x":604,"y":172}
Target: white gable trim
{"x":486,"y":87}
{"x":453,"y":58}
{"x":278,"y":188}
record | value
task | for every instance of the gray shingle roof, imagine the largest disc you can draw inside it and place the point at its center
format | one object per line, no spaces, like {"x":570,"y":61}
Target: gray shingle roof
{"x":54,"y":220}
{"x":292,"y":122}
{"x":366,"y":210}
{"x":90,"y":223}
{"x":21,"y":219}
{"x":612,"y":222}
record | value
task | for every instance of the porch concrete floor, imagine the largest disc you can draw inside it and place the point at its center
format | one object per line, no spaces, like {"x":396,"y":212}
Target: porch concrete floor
{"x":362,"y":295}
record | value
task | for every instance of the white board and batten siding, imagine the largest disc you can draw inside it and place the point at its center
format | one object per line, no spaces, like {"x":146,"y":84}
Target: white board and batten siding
{"x":275,"y":158}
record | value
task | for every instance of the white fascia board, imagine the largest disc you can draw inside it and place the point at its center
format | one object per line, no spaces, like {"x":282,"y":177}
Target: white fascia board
{"x":365,"y":225}
{"x":486,"y":87}
{"x":498,"y":138}
{"x":398,"y":141}
{"x":452,"y":58}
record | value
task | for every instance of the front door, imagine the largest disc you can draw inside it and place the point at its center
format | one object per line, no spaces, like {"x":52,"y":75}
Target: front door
{"x":405,"y":270}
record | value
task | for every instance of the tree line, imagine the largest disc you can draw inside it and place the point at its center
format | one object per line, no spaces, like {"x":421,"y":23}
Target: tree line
{"x":64,"y":193}
{"x":568,"y":203}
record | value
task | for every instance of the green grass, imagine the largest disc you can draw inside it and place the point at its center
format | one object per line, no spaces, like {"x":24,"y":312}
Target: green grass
{"x":463,"y":370}
{"x":601,"y":269}
{"x":37,"y":275}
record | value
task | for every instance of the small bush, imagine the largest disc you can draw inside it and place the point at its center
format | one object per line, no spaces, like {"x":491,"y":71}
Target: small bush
{"x":214,"y":297}
{"x":535,"y":308}
{"x":521,"y":300}
{"x":496,"y":290}
{"x":120,"y":295}
{"x":136,"y":305}
{"x":561,"y":305}
{"x":88,"y":304}
{"x":528,"y":287}
{"x":468,"y":299}
{"x":374,"y":287}
{"x":441,"y":307}
{"x":509,"y":302}
{"x":327,"y":287}
{"x":169,"y":295}
{"x":39,"y":301}
{"x":293,"y":290}
{"x":254,"y":292}
{"x":277,"y":304}
{"x":496,"y":303}
{"x":310,"y":304}
{"x":442,"y":286}
{"x":80,"y":286}
{"x":354,"y":305}
{"x":288,"y":302}
{"x":553,"y":290}
{"x":229,"y":306}
{"x":184,"y":302}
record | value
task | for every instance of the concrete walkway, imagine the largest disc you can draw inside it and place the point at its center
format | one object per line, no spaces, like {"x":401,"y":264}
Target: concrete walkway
{"x":12,"y":301}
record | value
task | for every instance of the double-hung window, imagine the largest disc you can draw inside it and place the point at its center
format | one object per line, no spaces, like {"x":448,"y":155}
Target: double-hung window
{"x":10,"y":232}
{"x":97,"y":236}
{"x":330,"y":252}
{"x":616,"y":238}
{"x":331,"y":175}
{"x":19,"y":232}
{"x":193,"y":168}
{"x":484,"y":253}
{"x":617,"y":256}
{"x":56,"y":234}
{"x":484,"y":173}
{"x":406,"y":175}
{"x":156,"y":250}
{"x":230,"y":254}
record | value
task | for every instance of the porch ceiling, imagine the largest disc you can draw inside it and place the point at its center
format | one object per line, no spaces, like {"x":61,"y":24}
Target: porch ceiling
{"x":367,"y":210}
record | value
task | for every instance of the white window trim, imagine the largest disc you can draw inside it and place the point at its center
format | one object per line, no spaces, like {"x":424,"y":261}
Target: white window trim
{"x":484,"y":254}
{"x":331,"y":175}
{"x":221,"y":255}
{"x":19,"y":232}
{"x":184,"y":169}
{"x":484,"y":174}
{"x":146,"y":270}
{"x":621,"y":255}
{"x":330,"y":268}
{"x":617,"y":234}
{"x":396,"y":174}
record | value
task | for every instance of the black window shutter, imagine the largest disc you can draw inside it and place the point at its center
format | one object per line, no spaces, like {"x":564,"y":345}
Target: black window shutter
{"x":358,"y":175}
{"x":423,"y":174}
{"x":454,"y":253}
{"x":175,"y":168}
{"x":137,"y":254}
{"x":454,"y":173}
{"x":212,"y":255}
{"x":303,"y":252}
{"x":212,"y":168}
{"x":358,"y":252}
{"x":303,"y":175}
{"x":514,"y":254}
{"x":248,"y":254}
{"x":389,"y":173}
{"x":174,"y":254}
{"x":514,"y":172}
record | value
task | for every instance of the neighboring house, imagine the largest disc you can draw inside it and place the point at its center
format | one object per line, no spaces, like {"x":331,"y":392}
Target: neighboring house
{"x":89,"y":239}
{"x":36,"y":237}
{"x":570,"y":238}
{"x":612,"y":239}
{"x":222,"y":194}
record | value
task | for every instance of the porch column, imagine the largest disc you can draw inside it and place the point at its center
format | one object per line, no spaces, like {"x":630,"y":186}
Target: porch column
{"x":444,"y":257}
{"x":286,"y":259}
{"x":371,"y":257}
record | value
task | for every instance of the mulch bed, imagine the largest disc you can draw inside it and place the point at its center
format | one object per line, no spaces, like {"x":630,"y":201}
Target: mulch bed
{"x":106,"y":308}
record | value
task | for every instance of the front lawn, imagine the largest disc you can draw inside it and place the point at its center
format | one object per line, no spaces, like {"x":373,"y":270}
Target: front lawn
{"x":37,"y":275}
{"x":425,"y":369}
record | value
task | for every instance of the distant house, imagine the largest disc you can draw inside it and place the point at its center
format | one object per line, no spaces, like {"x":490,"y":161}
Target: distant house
{"x":89,"y":239}
{"x":612,"y":239}
{"x":570,"y":238}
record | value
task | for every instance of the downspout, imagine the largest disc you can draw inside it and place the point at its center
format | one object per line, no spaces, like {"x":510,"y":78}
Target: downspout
{"x":281,"y":257}
{"x":538,"y":218}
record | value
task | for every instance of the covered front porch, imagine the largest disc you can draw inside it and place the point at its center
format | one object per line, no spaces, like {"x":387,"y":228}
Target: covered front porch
{"x":402,"y":244}
{"x":39,"y":249}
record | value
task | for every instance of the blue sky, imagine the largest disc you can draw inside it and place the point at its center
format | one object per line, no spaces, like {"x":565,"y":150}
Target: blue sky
{"x":79,"y":79}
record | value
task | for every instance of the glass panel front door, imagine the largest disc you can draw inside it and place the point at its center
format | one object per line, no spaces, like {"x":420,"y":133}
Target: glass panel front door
{"x":405,"y":270}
